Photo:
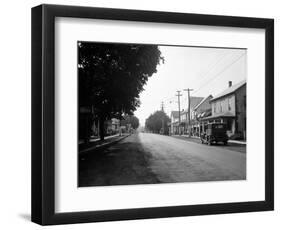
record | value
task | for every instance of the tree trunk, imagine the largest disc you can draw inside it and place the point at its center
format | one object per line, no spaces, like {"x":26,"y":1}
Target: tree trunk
{"x":87,"y":131}
{"x":101,"y":128}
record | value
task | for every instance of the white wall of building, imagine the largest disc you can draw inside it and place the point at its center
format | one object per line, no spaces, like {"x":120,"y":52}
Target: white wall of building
{"x":223,"y":105}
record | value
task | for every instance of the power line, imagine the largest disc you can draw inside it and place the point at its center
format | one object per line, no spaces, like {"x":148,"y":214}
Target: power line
{"x":203,"y":76}
{"x":168,"y":99}
{"x":218,"y":74}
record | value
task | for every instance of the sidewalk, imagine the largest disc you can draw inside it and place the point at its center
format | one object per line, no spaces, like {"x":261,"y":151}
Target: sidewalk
{"x":97,"y":143}
{"x":97,"y":139}
{"x":238,"y":142}
{"x":230,"y":141}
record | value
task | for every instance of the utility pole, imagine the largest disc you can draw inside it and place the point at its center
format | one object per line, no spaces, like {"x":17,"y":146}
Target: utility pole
{"x":188,"y":93}
{"x":179,"y":95}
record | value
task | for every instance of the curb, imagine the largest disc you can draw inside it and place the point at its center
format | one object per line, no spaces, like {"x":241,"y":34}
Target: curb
{"x":102,"y":145}
{"x":237,"y":142}
{"x":230,"y":141}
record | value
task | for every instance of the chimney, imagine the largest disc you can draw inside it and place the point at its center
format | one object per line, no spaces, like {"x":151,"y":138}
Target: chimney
{"x":229,"y":83}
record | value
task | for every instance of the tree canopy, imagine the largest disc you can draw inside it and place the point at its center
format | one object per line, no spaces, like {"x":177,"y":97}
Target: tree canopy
{"x":157,"y":122}
{"x":111,"y":76}
{"x":131,"y":119}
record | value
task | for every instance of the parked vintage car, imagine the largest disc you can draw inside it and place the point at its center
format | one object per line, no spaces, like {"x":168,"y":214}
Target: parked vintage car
{"x":215,"y":132}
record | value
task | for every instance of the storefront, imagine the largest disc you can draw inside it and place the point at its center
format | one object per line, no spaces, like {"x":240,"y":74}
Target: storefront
{"x":228,"y":119}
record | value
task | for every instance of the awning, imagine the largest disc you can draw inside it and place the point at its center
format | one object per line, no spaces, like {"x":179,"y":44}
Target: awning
{"x":200,"y":115}
{"x":223,"y":115}
{"x":204,"y":114}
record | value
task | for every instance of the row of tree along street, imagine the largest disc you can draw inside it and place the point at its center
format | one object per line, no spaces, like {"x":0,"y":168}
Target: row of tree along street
{"x":111,"y":78}
{"x":158,"y":123}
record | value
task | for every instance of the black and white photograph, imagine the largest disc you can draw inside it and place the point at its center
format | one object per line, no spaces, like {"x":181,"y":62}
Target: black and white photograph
{"x":140,"y":114}
{"x":152,"y":114}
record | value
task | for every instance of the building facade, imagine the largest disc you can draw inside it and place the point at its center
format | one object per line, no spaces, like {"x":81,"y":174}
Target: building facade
{"x":174,"y":124}
{"x":230,"y":107}
{"x":89,"y":125}
{"x":191,"y":120}
{"x":112,"y":126}
{"x":203,"y":109}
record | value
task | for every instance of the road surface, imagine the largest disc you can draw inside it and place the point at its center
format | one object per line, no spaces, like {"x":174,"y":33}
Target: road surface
{"x":146,"y":158}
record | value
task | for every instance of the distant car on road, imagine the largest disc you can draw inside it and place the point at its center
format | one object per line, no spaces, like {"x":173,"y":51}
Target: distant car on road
{"x":216,"y":132}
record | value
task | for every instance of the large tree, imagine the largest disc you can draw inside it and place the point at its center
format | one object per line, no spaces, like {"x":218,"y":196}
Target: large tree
{"x":111,"y":77}
{"x":157,"y":122}
{"x":132,"y":120}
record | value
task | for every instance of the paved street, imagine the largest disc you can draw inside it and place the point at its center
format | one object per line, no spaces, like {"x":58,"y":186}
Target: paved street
{"x":146,"y":158}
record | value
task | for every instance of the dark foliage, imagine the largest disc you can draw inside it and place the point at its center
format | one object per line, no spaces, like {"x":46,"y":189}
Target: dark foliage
{"x":131,"y":119}
{"x":157,"y":121}
{"x":111,"y":77}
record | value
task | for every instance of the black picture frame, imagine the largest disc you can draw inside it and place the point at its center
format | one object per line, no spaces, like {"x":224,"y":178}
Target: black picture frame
{"x":43,"y":114}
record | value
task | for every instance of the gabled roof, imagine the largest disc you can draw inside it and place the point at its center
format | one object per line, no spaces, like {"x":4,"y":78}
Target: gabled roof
{"x":205,"y":113}
{"x":229,"y":90}
{"x":194,"y":101}
{"x":202,"y":101}
{"x":175,"y":114}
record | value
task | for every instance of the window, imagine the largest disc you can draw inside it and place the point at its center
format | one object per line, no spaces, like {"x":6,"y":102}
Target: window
{"x":229,"y":105}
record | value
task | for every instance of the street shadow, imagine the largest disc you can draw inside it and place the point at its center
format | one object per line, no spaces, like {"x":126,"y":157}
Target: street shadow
{"x":121,"y":164}
{"x":25,"y":216}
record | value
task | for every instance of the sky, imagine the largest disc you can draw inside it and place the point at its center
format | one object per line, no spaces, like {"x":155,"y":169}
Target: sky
{"x":205,"y":70}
